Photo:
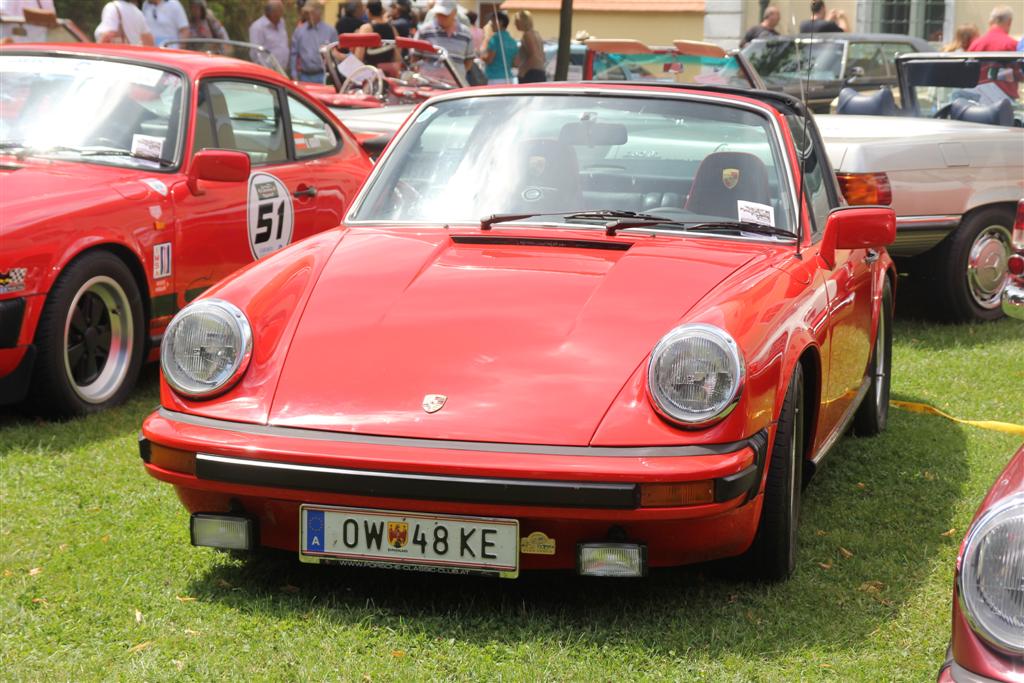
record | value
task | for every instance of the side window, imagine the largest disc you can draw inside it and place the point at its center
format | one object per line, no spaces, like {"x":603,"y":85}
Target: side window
{"x":312,"y":135}
{"x":241,"y":116}
{"x":820,"y":190}
{"x":890,"y":50}
{"x":869,"y":57}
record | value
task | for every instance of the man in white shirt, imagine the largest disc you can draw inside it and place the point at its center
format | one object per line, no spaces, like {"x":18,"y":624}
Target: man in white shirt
{"x":122,"y":22}
{"x":270,"y":32}
{"x":166,"y":20}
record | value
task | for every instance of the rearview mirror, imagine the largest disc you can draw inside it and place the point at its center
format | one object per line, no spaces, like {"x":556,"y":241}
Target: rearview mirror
{"x":220,"y":165}
{"x":857,"y":227}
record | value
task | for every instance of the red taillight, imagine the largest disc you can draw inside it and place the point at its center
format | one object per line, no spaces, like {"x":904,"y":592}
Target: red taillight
{"x":1015,"y":264}
{"x":1018,"y":228}
{"x":865,"y":188}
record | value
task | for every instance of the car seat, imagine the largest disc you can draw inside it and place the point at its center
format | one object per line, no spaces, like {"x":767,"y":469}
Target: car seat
{"x":724,"y":178}
{"x":996,"y":114}
{"x":549,"y":176}
{"x":877,"y":103}
{"x":213,"y":123}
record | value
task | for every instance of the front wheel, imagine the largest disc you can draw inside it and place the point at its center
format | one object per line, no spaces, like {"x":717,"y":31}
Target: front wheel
{"x":873,"y":413}
{"x":772,"y":557}
{"x":89,"y":338}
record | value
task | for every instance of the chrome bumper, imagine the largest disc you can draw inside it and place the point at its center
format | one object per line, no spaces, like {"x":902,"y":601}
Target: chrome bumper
{"x":1013,"y":299}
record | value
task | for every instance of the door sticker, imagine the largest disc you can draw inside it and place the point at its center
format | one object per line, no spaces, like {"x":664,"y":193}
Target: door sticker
{"x":162,"y":260}
{"x":270,"y":215}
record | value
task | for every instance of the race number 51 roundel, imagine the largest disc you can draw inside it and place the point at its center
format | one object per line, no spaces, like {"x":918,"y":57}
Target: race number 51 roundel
{"x":270,"y":215}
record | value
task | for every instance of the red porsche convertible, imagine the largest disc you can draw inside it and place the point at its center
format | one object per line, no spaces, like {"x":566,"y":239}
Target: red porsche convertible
{"x":131,"y":179}
{"x":591,"y":327}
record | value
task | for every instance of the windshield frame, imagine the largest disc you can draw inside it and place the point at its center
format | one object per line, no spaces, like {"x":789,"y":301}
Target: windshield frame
{"x":183,"y":114}
{"x":777,"y":137}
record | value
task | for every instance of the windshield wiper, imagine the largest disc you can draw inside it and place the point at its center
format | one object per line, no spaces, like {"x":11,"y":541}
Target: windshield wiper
{"x":614,"y":213}
{"x":81,"y":151}
{"x":741,"y":226}
{"x":599,"y":214}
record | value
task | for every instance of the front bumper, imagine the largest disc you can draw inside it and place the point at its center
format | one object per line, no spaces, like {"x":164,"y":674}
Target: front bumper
{"x":570,"y":494}
{"x":1013,"y":299}
{"x":952,"y":672}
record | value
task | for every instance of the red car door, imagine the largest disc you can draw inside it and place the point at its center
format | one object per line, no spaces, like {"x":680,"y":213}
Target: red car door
{"x":304,"y":174}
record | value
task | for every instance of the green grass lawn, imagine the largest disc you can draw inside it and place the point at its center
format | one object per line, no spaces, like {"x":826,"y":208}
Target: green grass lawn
{"x":99,"y":580}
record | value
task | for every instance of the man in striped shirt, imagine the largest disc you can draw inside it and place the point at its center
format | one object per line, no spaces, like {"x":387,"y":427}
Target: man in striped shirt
{"x":446,"y":32}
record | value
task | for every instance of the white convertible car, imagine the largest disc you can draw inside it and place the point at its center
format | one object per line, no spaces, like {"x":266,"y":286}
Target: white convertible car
{"x":950,"y":162}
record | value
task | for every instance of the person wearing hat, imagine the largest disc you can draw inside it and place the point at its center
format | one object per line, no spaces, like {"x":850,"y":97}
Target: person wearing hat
{"x":446,"y":32}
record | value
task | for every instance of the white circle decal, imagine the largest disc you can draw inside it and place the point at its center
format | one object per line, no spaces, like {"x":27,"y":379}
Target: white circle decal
{"x":270,"y":215}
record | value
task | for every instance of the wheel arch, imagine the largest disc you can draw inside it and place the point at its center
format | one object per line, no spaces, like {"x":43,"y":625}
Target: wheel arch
{"x":134,"y":264}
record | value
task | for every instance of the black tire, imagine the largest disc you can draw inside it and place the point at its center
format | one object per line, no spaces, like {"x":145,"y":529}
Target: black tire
{"x":968,"y":268}
{"x":89,"y":339}
{"x":772,"y":557}
{"x":873,"y":413}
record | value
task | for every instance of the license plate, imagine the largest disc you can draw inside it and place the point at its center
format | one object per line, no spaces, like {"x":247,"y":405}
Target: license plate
{"x":408,"y":540}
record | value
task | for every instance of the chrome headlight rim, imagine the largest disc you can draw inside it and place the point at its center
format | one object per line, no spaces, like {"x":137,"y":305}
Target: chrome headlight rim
{"x":732,"y":349}
{"x":1008,"y":507}
{"x":241,"y":361}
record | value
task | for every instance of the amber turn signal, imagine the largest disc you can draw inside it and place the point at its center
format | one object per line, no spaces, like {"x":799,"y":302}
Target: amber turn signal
{"x":674,"y":495}
{"x":865,"y":189}
{"x":172,"y":459}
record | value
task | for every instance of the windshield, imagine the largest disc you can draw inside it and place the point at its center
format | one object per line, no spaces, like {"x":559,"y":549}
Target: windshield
{"x":249,"y":52}
{"x":110,"y":112}
{"x":780,"y":62}
{"x":936,"y":83}
{"x":669,"y":67}
{"x":684,"y":160}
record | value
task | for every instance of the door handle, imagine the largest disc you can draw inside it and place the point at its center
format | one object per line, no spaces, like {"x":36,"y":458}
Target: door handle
{"x":871,"y":256}
{"x":304,"y":191}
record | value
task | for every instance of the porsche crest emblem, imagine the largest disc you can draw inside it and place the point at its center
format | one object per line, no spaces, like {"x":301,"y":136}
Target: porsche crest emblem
{"x":730,"y":177}
{"x":434,"y":402}
{"x":398,"y":534}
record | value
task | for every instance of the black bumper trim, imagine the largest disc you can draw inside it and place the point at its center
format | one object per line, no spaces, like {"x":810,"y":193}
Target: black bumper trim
{"x":12,"y":313}
{"x":748,"y":480}
{"x":417,"y":486}
{"x":14,"y":387}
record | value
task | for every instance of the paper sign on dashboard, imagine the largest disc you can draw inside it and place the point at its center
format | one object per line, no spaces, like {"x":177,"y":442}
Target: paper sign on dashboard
{"x":762,"y":214}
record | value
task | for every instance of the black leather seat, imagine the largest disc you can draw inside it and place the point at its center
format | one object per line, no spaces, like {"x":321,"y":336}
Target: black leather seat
{"x":996,"y":114}
{"x":723,"y":179}
{"x":878,"y":103}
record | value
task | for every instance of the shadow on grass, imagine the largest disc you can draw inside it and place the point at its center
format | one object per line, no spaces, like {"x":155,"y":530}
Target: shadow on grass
{"x":873,"y":520}
{"x":927,"y":335}
{"x":23,"y":430}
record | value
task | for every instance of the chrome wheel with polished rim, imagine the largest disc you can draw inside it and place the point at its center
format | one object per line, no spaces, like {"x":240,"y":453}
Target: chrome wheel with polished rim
{"x":986,"y":265}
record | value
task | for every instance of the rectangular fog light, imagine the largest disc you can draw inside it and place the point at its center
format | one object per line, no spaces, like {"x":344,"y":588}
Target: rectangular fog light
{"x":611,"y":559}
{"x":222,"y":531}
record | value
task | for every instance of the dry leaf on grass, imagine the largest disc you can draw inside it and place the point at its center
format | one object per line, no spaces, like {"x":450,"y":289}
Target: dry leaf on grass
{"x":872,"y":586}
{"x":397,"y":653}
{"x":138,"y":617}
{"x":7,"y":573}
{"x":141,"y":646}
{"x":825,"y":565}
{"x":178,"y":664}
{"x":821,"y":532}
{"x":845,"y":553}
{"x":40,"y":601}
{"x":949,"y":533}
{"x":185,"y":598}
{"x":190,"y":632}
{"x":35,"y":571}
{"x":861,"y":485}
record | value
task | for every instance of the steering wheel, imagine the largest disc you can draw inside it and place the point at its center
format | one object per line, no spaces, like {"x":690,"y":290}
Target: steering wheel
{"x":374,"y":76}
{"x":943,"y":111}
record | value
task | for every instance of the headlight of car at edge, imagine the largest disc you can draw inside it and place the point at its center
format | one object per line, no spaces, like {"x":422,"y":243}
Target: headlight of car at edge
{"x":992,"y":575}
{"x":206,"y":348}
{"x":695,"y":375}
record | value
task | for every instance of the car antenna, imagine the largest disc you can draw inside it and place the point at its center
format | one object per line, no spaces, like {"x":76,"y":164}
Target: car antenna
{"x":803,"y":135}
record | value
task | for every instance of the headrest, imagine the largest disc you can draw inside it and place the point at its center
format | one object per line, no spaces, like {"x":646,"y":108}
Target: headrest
{"x":996,"y":114}
{"x":878,"y":103}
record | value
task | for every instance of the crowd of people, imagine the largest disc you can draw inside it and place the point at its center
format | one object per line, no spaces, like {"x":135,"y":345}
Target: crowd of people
{"x":486,"y":53}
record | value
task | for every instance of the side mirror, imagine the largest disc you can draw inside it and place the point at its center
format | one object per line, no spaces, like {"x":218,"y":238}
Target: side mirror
{"x":857,"y":227}
{"x":855,"y":73}
{"x":220,"y":165}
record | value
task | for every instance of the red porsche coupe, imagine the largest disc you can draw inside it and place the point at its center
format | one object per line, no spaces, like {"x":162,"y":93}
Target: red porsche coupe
{"x":131,"y":179}
{"x":591,"y":327}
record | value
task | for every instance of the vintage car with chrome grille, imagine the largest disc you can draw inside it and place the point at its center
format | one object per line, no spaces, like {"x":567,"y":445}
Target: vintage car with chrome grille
{"x":623,"y":342}
{"x":131,"y":179}
{"x":987,"y":642}
{"x":950,"y":161}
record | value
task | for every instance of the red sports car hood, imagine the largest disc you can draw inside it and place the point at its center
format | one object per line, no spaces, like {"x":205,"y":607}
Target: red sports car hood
{"x":527,"y":342}
{"x":34,"y":190}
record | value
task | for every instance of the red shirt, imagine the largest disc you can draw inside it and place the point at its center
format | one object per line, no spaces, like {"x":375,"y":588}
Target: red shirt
{"x":996,"y":40}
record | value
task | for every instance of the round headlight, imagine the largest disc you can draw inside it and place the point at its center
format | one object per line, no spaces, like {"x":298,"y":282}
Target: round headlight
{"x":695,"y":375}
{"x":992,"y":575}
{"x":206,"y":348}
